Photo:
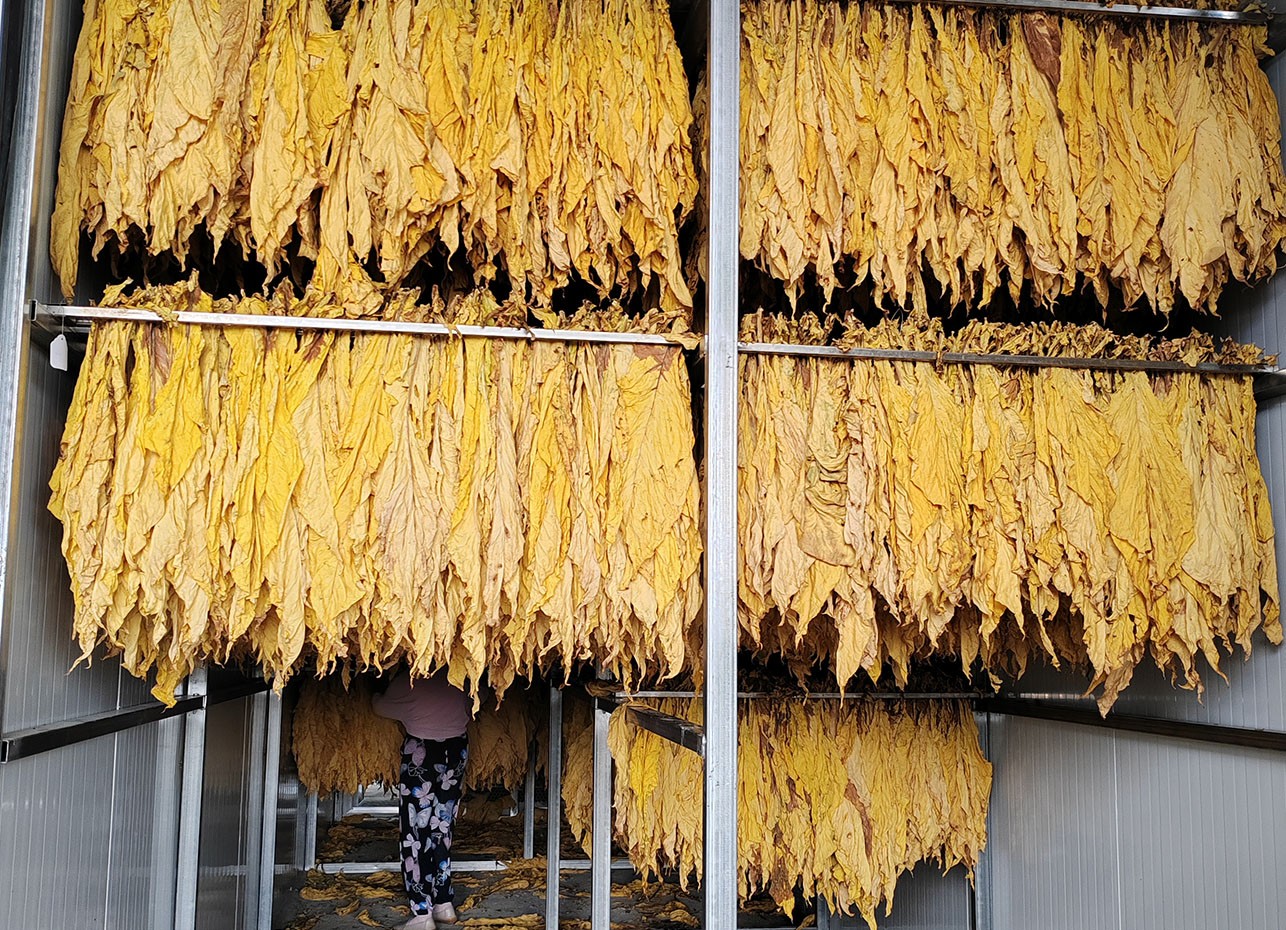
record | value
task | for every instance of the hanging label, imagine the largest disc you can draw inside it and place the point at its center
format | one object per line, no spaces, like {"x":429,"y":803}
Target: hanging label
{"x":58,"y":352}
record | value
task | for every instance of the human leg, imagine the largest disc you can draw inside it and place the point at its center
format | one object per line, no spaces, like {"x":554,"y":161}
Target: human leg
{"x":445,"y":762}
{"x":412,"y":786}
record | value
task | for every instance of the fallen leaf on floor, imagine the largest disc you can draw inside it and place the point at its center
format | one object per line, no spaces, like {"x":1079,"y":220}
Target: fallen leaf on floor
{"x":365,"y":917}
{"x":535,"y":921}
{"x":676,"y":913}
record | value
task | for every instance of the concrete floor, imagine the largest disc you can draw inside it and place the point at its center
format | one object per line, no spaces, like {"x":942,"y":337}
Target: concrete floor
{"x":513,"y":898}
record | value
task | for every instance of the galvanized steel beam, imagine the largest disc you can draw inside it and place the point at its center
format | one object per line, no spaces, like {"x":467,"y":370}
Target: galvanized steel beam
{"x":600,"y":884}
{"x":19,"y":147}
{"x":554,"y":807}
{"x":681,"y":732}
{"x":193,"y":784}
{"x":529,"y":805}
{"x":1004,"y":360}
{"x":1120,"y":10}
{"x":721,"y":390}
{"x":53,"y":316}
{"x":268,"y":821}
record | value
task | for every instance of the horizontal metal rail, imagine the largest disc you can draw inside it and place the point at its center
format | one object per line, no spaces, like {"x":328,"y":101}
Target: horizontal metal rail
{"x":24,"y":743}
{"x":369,"y":868}
{"x":245,"y":689}
{"x":459,"y":865}
{"x":35,"y":740}
{"x":681,"y":732}
{"x":585,"y":865}
{"x":52,"y":316}
{"x":1151,"y":726}
{"x":620,"y":696}
{"x":1127,"y":10}
{"x":1003,"y":360}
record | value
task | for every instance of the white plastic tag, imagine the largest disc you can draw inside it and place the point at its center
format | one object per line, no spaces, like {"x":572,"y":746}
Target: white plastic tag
{"x":58,"y":352}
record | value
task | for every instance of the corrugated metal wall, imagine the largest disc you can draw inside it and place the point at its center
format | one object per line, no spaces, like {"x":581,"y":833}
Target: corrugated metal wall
{"x":230,"y":817}
{"x":928,"y":900}
{"x":292,"y":825}
{"x":1117,"y":831}
{"x":924,"y":900}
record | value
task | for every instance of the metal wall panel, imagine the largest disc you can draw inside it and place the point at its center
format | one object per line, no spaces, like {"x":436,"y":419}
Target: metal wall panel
{"x":1202,"y":830}
{"x":1117,"y":831}
{"x":226,"y":821}
{"x":57,"y":835}
{"x":81,"y":843}
{"x":144,"y":821}
{"x":1052,"y":845}
{"x":925,"y":899}
{"x":928,"y":900}
{"x":39,"y":646}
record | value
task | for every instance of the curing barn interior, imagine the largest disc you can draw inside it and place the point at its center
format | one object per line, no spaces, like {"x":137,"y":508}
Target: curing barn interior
{"x":821,"y":458}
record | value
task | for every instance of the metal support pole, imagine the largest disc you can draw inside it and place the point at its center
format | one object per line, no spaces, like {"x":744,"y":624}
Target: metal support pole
{"x":824,"y":921}
{"x":1124,"y":10}
{"x":185,"y":883}
{"x":554,"y":808}
{"x":529,"y":805}
{"x":268,"y":825}
{"x":310,"y":832}
{"x":55,"y":317}
{"x":982,"y":885}
{"x":24,"y":90}
{"x":600,"y":895}
{"x":255,"y":794}
{"x":1008,"y":360}
{"x":720,"y":873}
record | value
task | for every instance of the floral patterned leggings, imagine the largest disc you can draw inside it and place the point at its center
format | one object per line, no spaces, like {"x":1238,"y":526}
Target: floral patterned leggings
{"x":428,"y":795}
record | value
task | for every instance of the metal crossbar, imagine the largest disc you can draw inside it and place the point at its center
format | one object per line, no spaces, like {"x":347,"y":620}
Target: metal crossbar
{"x":1004,"y":360}
{"x":53,"y":316}
{"x":1124,"y":10}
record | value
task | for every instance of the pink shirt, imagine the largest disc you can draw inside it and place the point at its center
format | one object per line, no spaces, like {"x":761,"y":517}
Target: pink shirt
{"x":431,"y":708}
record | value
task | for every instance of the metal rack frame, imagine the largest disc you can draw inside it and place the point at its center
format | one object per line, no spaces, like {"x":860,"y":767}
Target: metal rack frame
{"x":1006,"y":360}
{"x":1065,"y":708}
{"x":59,"y":318}
{"x":53,"y":317}
{"x":721,"y":22}
{"x":1244,"y":17}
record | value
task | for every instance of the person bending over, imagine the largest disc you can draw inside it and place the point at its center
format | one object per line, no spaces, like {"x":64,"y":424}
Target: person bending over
{"x":435,"y":715}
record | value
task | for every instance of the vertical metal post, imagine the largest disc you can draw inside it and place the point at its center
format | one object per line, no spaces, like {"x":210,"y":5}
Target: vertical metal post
{"x":310,"y":832}
{"x":255,"y":788}
{"x":823,"y":915}
{"x":185,"y":882}
{"x":600,"y":896}
{"x":268,"y":825}
{"x":554,"y":808}
{"x":721,"y":385}
{"x":981,"y":891}
{"x":529,"y":805}
{"x":19,"y":157}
